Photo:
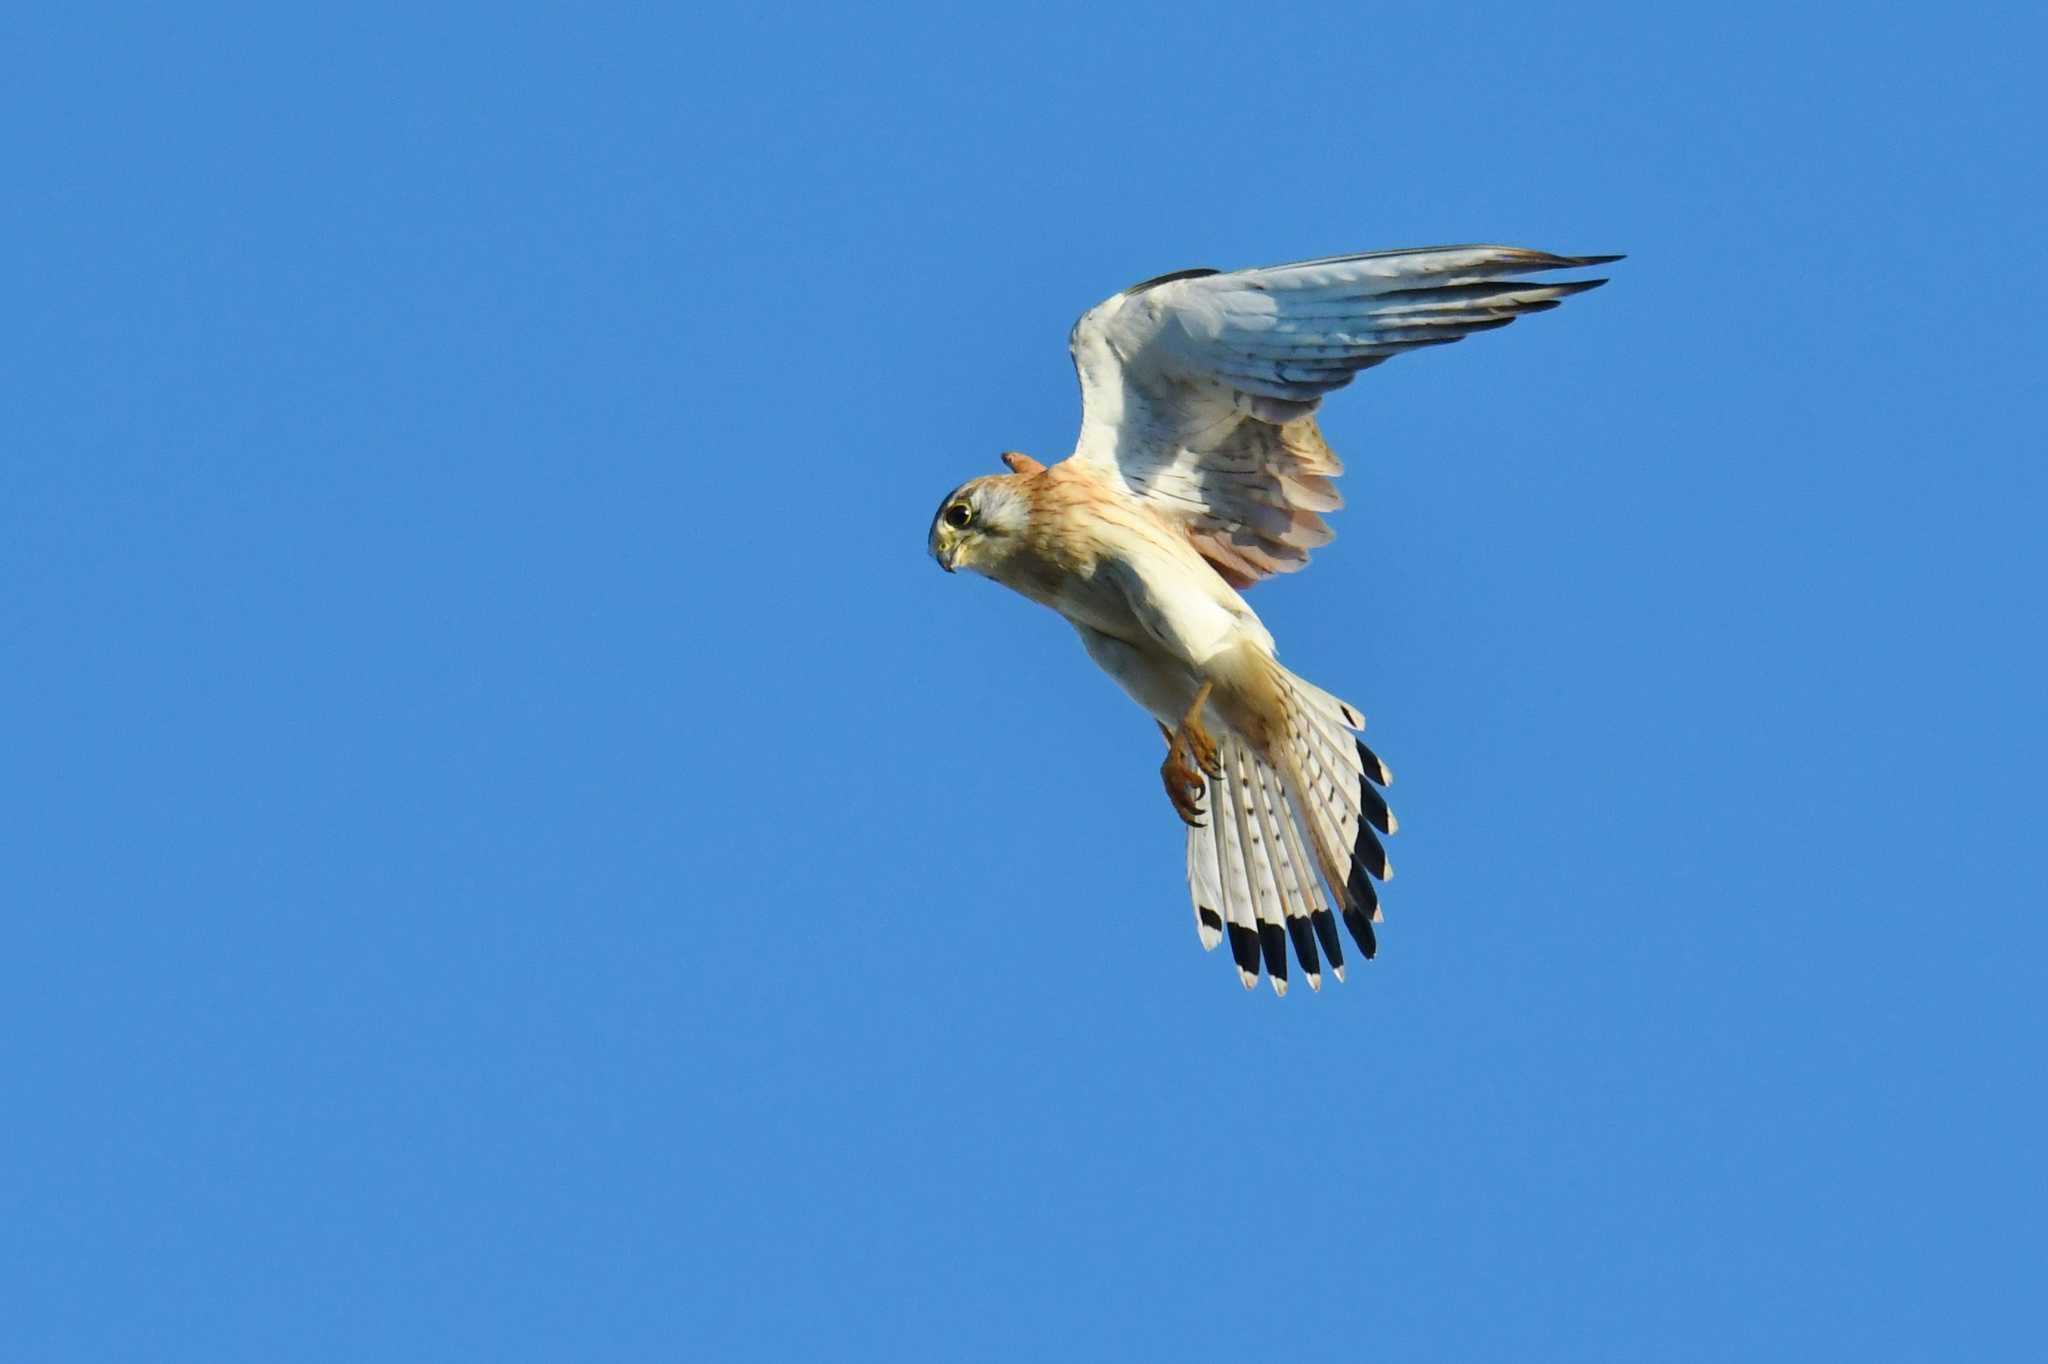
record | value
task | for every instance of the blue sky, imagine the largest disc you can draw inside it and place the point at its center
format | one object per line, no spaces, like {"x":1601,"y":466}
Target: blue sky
{"x":512,"y":851}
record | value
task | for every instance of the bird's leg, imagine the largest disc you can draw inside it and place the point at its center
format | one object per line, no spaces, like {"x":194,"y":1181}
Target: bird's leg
{"x":1197,"y":738}
{"x":1189,"y":753}
{"x":1183,"y":783}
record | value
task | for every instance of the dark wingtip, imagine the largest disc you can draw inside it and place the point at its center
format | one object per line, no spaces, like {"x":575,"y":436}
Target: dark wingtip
{"x":1326,"y":929}
{"x":1305,"y":947}
{"x":1273,"y":940}
{"x":1361,"y":930}
{"x":1362,"y":902}
{"x":1244,"y":948}
{"x":1374,"y":805}
{"x":1199,"y":272}
{"x":1596,"y":260}
{"x":1374,"y":768}
{"x":1369,"y":853}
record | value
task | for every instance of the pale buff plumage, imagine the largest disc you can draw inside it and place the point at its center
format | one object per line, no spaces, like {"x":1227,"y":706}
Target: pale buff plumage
{"x":1199,"y":470}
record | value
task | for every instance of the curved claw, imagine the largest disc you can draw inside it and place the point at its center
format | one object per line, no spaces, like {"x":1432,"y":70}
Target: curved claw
{"x":1184,"y":784}
{"x":1184,"y":787}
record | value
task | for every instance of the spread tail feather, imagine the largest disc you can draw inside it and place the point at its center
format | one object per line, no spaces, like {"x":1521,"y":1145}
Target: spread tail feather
{"x":1305,"y":801}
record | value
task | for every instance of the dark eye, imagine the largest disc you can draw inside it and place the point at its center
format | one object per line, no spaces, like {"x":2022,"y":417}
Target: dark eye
{"x":958,"y":515}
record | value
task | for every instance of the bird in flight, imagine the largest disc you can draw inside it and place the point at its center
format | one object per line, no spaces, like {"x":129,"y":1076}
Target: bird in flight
{"x":1199,"y":471}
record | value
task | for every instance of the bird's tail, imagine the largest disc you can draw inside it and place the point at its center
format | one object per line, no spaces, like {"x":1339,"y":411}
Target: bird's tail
{"x":1299,"y":795}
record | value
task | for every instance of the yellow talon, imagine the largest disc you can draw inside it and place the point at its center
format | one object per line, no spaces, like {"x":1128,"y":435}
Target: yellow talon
{"x":1189,"y":753}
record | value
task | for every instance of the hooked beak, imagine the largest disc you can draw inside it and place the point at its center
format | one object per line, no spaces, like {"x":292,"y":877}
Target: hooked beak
{"x":944,"y":546}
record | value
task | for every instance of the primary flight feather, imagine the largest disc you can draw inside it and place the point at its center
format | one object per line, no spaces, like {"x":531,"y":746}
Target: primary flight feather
{"x":1200,"y":470}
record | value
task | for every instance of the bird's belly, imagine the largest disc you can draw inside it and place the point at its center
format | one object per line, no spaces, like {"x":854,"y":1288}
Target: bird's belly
{"x":1118,"y":570}
{"x":1099,"y":604}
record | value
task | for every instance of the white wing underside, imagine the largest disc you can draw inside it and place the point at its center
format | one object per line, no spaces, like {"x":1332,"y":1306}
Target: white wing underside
{"x":1199,"y":389}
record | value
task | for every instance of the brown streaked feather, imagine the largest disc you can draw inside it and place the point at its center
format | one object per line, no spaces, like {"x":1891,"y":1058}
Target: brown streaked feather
{"x":1253,"y":502}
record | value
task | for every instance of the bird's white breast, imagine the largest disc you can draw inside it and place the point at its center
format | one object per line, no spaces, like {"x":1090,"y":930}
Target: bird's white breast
{"x":1150,"y":587}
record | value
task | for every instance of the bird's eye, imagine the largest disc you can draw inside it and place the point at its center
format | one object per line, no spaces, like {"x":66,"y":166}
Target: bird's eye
{"x":958,"y":515}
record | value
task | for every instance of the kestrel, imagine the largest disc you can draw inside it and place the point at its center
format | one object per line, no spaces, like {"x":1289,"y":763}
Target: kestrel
{"x":1200,"y":470}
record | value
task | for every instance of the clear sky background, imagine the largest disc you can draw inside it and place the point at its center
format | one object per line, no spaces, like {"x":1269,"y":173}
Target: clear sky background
{"x":512,"y":851}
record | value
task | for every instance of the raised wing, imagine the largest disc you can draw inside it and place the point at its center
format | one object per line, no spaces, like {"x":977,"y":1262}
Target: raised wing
{"x":1199,"y":388}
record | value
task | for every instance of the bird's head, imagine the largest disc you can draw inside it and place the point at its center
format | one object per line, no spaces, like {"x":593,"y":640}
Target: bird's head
{"x":980,"y":523}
